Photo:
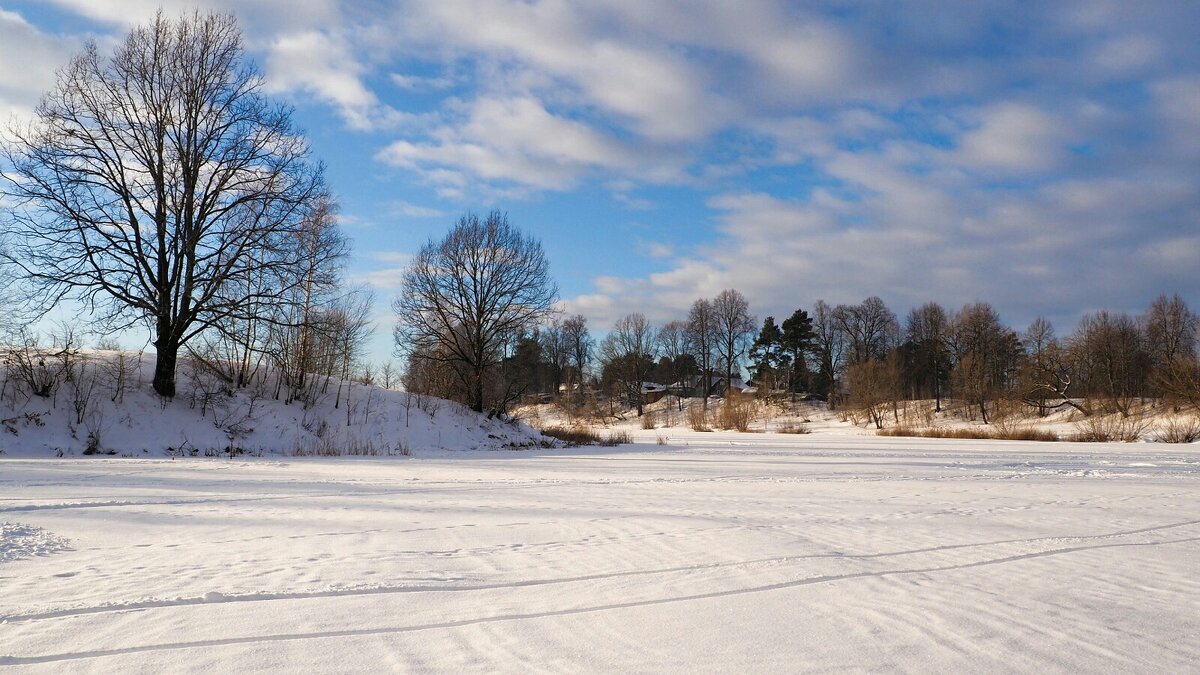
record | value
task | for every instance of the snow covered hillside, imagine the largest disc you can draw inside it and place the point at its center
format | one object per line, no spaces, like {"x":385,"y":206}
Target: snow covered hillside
{"x":102,"y":403}
{"x":733,"y":553}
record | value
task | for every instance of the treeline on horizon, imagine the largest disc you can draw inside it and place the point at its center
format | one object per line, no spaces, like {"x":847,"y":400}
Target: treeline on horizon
{"x":861,"y":355}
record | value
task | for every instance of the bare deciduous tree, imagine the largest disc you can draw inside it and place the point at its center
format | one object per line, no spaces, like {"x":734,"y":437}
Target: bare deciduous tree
{"x":734,"y":330}
{"x":872,"y":387}
{"x":830,"y":345}
{"x":579,"y":343}
{"x":870,"y":329}
{"x":986,"y":355}
{"x":680,"y":364}
{"x":155,"y":184}
{"x":556,"y":350}
{"x":464,"y":298}
{"x":702,"y":340}
{"x":1170,"y":329}
{"x":628,"y":354}
{"x":1046,"y":372}
{"x":1112,"y":358}
{"x":926,"y":332}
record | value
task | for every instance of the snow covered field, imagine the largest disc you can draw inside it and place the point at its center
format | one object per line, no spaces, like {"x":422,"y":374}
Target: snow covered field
{"x":718,"y":552}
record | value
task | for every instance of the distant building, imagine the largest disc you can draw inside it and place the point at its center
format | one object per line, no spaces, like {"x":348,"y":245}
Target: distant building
{"x":652,"y":392}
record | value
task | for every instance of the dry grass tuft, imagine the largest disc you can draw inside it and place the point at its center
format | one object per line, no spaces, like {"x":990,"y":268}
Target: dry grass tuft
{"x":617,"y":438}
{"x":572,"y":436}
{"x":976,"y":434}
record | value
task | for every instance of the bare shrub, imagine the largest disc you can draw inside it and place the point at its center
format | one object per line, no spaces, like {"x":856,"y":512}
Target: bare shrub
{"x":661,"y":440}
{"x":1007,"y":424}
{"x":1106,"y":428}
{"x":794,"y":428}
{"x":83,"y":380}
{"x":117,"y":370}
{"x":38,"y":370}
{"x":209,"y":387}
{"x":737,"y":412}
{"x":698,"y":418}
{"x":670,"y":418}
{"x":1179,"y":430}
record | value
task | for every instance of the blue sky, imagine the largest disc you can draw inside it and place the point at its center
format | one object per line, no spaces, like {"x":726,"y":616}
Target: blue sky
{"x":1044,"y":157}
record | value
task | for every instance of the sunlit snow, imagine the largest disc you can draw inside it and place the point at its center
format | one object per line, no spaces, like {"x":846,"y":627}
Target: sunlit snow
{"x":717,"y":552}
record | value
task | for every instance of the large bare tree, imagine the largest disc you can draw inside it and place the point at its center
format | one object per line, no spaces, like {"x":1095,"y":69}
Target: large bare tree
{"x":926,"y":332}
{"x":870,"y":328}
{"x":464,"y":299}
{"x":159,"y":185}
{"x":734,"y":330}
{"x":986,"y":355}
{"x":628,"y":355}
{"x":830,"y":346}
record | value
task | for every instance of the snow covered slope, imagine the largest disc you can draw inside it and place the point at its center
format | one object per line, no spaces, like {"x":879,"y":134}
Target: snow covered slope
{"x":131,"y":420}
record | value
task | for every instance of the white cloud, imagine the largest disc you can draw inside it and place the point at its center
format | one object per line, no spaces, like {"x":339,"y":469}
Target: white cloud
{"x":1129,"y":54}
{"x":660,"y":93}
{"x":323,"y":65}
{"x":1176,"y":101}
{"x":260,"y":16}
{"x":515,"y":139}
{"x":1013,"y":137}
{"x":419,"y":83}
{"x":31,"y":58}
{"x":657,"y":249}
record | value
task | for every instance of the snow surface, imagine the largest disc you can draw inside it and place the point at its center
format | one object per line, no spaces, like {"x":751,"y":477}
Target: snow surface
{"x":714,"y":553}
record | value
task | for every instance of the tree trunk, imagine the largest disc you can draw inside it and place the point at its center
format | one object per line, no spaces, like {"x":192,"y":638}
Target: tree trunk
{"x":164,"y":367}
{"x":477,"y":391}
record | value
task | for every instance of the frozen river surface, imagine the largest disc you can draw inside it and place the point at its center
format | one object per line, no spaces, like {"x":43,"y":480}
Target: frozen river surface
{"x":730,"y":553}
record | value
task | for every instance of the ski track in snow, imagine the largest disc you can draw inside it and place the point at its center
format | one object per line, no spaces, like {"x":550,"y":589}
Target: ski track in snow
{"x":776,"y":554}
{"x":50,"y":658}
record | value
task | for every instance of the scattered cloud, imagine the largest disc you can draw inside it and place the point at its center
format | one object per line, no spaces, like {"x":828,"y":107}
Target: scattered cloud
{"x":513,"y":140}
{"x":657,"y":249}
{"x":419,"y":83}
{"x":403,"y":208}
{"x":321,"y":64}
